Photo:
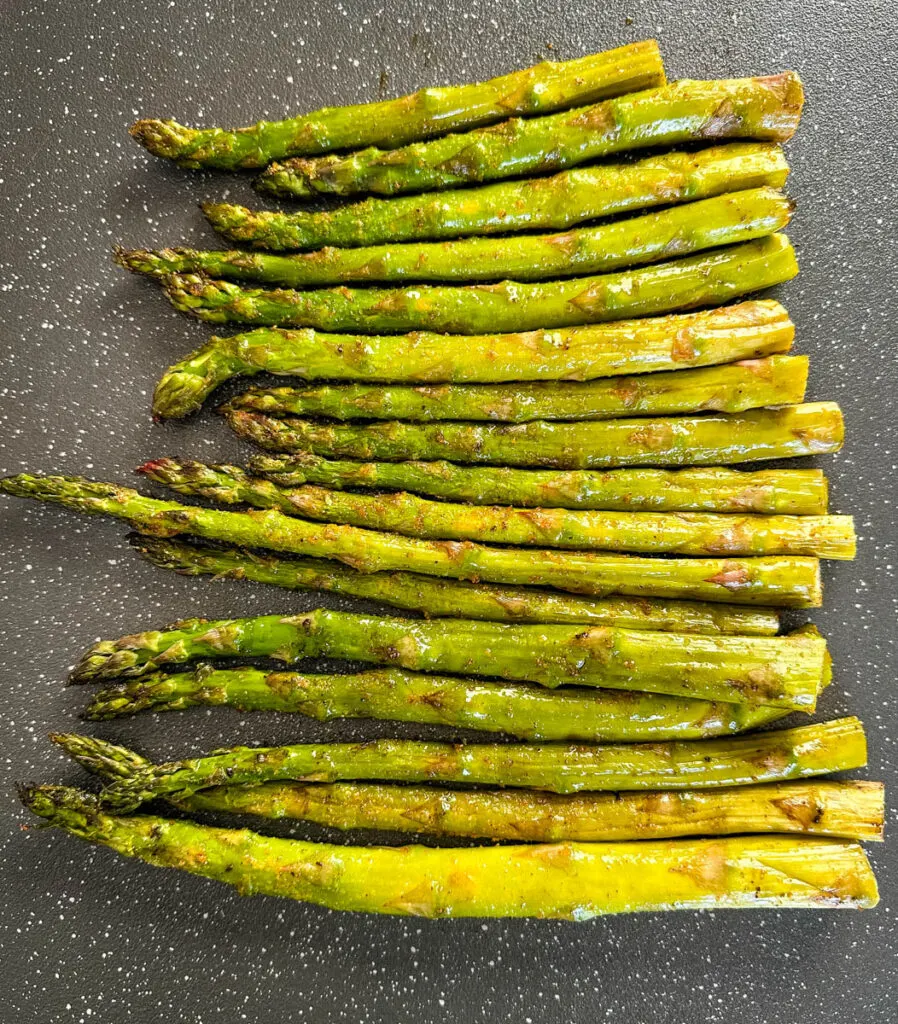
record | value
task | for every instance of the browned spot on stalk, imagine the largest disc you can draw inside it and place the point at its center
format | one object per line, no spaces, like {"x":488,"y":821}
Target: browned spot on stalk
{"x":598,"y":642}
{"x":598,"y":118}
{"x":803,"y":810}
{"x":682,"y":350}
{"x":708,"y":867}
{"x":652,"y":435}
{"x":732,"y":576}
{"x":723,"y":122}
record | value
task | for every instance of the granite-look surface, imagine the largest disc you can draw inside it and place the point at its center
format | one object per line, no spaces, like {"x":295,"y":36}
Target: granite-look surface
{"x":86,"y":936}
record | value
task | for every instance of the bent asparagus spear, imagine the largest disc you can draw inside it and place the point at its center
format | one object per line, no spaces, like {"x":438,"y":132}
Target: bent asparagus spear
{"x":749,"y":384}
{"x":540,"y":89}
{"x":706,"y":489}
{"x":743,"y":331}
{"x":784,"y":672}
{"x":437,"y":598}
{"x":565,"y":199}
{"x":683,"y":533}
{"x":706,"y":279}
{"x":567,"y":880}
{"x":680,"y":231}
{"x":787,"y":581}
{"x":687,"y":111}
{"x":520,"y":710}
{"x":787,"y":432}
{"x":679,"y":764}
{"x":849,"y":810}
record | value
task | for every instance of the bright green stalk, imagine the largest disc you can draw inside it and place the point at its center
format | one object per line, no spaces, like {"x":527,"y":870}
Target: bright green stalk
{"x":787,"y":581}
{"x":567,"y":880}
{"x":540,"y":89}
{"x":687,"y":111}
{"x":527,"y":712}
{"x":750,"y":384}
{"x":787,"y":432}
{"x":703,"y":280}
{"x":743,"y":331}
{"x":785,"y":672}
{"x":679,"y":764}
{"x":680,"y":231}
{"x":438,"y":598}
{"x":547,"y":204}
{"x":683,"y":533}
{"x":706,"y":489}
{"x":849,"y":810}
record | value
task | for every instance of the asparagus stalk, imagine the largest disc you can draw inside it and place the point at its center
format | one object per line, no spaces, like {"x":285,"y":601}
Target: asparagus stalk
{"x":517,"y":709}
{"x":786,"y":432}
{"x":743,"y":331}
{"x":566,"y":199}
{"x":749,"y":384}
{"x":706,"y":279}
{"x":684,"y":533}
{"x":687,"y":111}
{"x":706,"y":489}
{"x":784,"y":672}
{"x":787,"y":581}
{"x":540,"y":89}
{"x":679,"y":231}
{"x":849,"y":810}
{"x":679,"y":764}
{"x":437,"y":598}
{"x":567,"y":880}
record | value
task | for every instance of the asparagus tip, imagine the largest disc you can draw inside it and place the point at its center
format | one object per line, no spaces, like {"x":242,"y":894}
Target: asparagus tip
{"x":162,"y":138}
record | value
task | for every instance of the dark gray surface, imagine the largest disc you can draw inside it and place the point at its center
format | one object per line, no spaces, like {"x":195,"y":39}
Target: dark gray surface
{"x":88,"y":936}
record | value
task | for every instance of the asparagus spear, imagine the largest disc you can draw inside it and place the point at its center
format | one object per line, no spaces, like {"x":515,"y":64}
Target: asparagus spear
{"x":707,"y":489}
{"x":684,"y":533}
{"x":743,"y":331}
{"x":750,"y":384}
{"x":784,"y":672}
{"x":517,"y":709}
{"x":747,"y":108}
{"x":566,"y":199}
{"x":545,"y":87}
{"x":721,"y":220}
{"x":786,"y":432}
{"x":679,"y":764}
{"x":849,"y":810}
{"x":567,"y":880}
{"x":455,"y":598}
{"x":706,"y":279}
{"x":787,"y":581}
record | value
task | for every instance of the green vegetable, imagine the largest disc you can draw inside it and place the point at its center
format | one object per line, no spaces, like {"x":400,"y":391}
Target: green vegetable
{"x":782,"y":672}
{"x":517,"y":709}
{"x":849,"y":810}
{"x":706,"y":279}
{"x":787,"y":581}
{"x":554,"y":203}
{"x":536,"y":90}
{"x":721,"y":220}
{"x":786,"y":432}
{"x":750,"y":384}
{"x":683,"y":533}
{"x":706,"y":489}
{"x":680,"y":764}
{"x":456,"y":598}
{"x":687,"y":111}
{"x":743,"y":331}
{"x":567,"y":880}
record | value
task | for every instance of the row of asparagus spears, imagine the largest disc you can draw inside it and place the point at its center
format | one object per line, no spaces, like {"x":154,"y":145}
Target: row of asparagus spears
{"x":514,"y":486}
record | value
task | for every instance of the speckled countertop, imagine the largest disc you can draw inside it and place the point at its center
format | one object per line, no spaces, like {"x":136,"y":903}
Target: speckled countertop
{"x":86,"y":936}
